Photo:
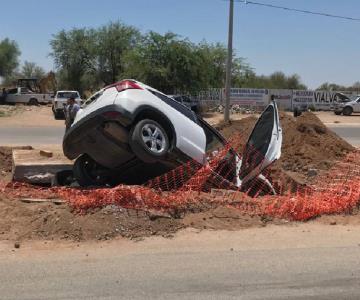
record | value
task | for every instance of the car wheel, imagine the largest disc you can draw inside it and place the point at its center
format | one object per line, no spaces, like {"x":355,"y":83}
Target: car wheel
{"x":347,"y":111}
{"x":297,"y":112}
{"x":88,"y":172}
{"x":33,"y":101}
{"x":338,"y":113}
{"x":63,"y":178}
{"x":58,"y":116}
{"x":149,"y":141}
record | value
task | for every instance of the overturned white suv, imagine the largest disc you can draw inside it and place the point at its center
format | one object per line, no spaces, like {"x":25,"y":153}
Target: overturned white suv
{"x":129,"y":133}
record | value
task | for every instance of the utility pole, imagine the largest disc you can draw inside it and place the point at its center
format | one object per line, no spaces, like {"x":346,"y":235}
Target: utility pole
{"x":229,"y":64}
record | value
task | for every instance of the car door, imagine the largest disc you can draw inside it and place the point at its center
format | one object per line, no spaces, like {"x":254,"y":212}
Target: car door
{"x":263,"y":146}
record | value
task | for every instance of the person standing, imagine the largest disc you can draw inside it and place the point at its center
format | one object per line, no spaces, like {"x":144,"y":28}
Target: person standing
{"x":70,"y":110}
{"x":3,"y":96}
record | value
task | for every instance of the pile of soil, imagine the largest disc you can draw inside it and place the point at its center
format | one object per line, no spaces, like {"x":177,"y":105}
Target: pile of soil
{"x":307,"y":144}
{"x":5,"y":162}
{"x":21,"y":221}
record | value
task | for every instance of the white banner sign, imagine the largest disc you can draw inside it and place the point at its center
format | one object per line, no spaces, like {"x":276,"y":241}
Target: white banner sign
{"x":249,"y":97}
{"x":283,"y":98}
{"x":302,"y":99}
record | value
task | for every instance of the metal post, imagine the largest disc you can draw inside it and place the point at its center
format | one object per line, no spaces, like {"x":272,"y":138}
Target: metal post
{"x":229,"y":64}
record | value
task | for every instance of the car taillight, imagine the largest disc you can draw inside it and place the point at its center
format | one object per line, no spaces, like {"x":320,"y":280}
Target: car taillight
{"x":111,"y":114}
{"x":125,"y":85}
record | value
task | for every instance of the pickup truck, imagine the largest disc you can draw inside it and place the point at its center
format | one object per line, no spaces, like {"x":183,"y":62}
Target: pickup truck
{"x":24,"y":95}
{"x":347,"y":107}
{"x":60,"y":100}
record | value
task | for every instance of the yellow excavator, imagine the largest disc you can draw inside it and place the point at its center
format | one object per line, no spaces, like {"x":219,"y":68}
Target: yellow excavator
{"x":43,"y":85}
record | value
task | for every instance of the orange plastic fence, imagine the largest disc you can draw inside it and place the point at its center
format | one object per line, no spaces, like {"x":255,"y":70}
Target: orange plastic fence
{"x":191,"y":187}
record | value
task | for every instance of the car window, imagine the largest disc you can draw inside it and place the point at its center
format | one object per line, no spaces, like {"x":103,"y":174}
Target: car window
{"x":24,"y":90}
{"x":178,"y":98}
{"x":93,"y":98}
{"x":176,"y":105}
{"x":67,"y":95}
{"x":12,"y":91}
{"x":213,"y":140}
{"x":186,"y":99}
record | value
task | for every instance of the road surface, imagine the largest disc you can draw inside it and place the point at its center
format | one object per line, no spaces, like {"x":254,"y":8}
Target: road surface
{"x":31,"y":135}
{"x":307,"y":261}
{"x":349,"y":133}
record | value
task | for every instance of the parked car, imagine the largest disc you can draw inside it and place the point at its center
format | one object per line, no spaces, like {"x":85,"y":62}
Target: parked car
{"x":187,"y":101}
{"x":129,"y":133}
{"x":59,"y":101}
{"x":26,"y":96}
{"x":347,"y":107}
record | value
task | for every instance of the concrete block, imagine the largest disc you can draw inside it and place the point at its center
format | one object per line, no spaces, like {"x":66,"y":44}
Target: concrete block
{"x":31,"y":167}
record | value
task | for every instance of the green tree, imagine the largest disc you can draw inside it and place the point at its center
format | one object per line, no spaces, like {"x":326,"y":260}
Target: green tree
{"x":31,"y":70}
{"x":113,"y":41}
{"x":164,"y":61}
{"x":73,"y":53}
{"x":276,"y":80}
{"x":9,"y":57}
{"x":336,"y":87}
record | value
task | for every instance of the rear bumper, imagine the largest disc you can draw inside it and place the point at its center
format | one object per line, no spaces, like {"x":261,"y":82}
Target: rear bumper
{"x":103,"y":137}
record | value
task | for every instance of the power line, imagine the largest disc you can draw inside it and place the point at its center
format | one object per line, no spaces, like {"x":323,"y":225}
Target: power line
{"x":299,"y":10}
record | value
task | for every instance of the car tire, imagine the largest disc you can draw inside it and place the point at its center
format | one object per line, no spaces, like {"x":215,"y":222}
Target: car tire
{"x":63,"y":178}
{"x":149,"y":141}
{"x":33,"y":101}
{"x":297,"y":112}
{"x":58,"y":116}
{"x":86,"y":172}
{"x":347,"y":111}
{"x":338,"y":113}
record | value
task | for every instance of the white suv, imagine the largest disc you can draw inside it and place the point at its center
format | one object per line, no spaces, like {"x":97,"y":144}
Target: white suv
{"x":129,"y":132}
{"x":60,"y":100}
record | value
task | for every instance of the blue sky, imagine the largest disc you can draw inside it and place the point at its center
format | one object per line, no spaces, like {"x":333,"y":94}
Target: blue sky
{"x":319,"y":49}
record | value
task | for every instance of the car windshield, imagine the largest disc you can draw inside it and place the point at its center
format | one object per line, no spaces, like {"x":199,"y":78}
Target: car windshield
{"x":67,"y":95}
{"x":353,"y":98}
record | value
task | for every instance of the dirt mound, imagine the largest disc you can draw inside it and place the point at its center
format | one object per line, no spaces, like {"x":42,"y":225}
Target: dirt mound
{"x":307,"y":144}
{"x":25,"y":221}
{"x":6,"y":161}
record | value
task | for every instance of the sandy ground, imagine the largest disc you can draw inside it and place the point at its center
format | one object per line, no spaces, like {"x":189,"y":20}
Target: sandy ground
{"x":330,"y":118}
{"x":327,"y":117}
{"x":26,"y":116}
{"x":31,"y":116}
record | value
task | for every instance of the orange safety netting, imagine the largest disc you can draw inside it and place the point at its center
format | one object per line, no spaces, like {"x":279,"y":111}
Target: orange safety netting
{"x":192,"y":186}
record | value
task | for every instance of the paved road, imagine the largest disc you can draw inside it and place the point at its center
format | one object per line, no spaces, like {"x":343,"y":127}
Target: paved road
{"x":267,"y":263}
{"x":53,"y":135}
{"x":31,"y":135}
{"x":351,"y":134}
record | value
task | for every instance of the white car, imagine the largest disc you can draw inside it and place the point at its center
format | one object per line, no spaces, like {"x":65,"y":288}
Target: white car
{"x":60,"y":100}
{"x":130,"y":132}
